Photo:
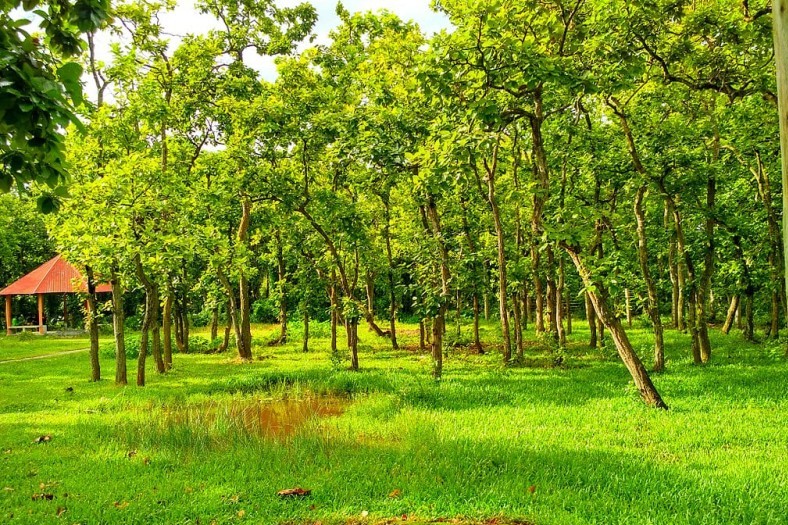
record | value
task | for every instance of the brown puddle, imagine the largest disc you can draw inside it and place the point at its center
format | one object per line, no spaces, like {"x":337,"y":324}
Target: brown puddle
{"x":257,"y":417}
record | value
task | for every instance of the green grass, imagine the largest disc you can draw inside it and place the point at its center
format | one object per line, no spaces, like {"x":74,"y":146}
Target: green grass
{"x":32,"y":345}
{"x":548,"y":445}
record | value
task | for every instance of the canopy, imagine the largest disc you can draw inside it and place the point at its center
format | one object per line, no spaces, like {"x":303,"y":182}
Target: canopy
{"x":54,"y":276}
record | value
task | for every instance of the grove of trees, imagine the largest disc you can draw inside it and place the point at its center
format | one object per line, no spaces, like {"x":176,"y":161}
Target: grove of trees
{"x":540,"y":160}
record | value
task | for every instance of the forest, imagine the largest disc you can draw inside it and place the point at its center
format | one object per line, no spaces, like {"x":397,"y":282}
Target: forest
{"x":541,"y":184}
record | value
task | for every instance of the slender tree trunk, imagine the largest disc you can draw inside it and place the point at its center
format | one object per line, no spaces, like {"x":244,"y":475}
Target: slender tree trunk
{"x":282,"y":285}
{"x":334,"y":312}
{"x":732,"y":309}
{"x":518,"y":333}
{"x":232,"y":314}
{"x":306,"y":329}
{"x":214,"y":326}
{"x":780,"y":29}
{"x":352,"y":342}
{"x":227,"y":329}
{"x":704,"y":289}
{"x":568,"y":310}
{"x":559,"y":302}
{"x":392,"y":288}
{"x":651,"y":287}
{"x":591,"y":318}
{"x":422,"y":336}
{"x":118,"y":320}
{"x":599,"y":299}
{"x":749,"y":323}
{"x":144,"y":334}
{"x":486,"y":306}
{"x":526,"y":307}
{"x":438,"y":323}
{"x":92,"y":322}
{"x":476,"y":341}
{"x":166,"y":325}
{"x":243,"y":317}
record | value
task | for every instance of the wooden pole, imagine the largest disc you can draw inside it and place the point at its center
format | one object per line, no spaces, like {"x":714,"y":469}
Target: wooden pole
{"x":41,"y":313}
{"x":780,"y":25}
{"x":8,"y":315}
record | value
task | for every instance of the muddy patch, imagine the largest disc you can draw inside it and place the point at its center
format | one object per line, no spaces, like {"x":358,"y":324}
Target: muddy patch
{"x":262,"y":418}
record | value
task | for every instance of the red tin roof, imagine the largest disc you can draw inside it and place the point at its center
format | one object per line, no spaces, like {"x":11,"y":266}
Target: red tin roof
{"x":54,"y":276}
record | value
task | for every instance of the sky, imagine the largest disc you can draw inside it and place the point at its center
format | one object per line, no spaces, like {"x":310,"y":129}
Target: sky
{"x":185,"y":19}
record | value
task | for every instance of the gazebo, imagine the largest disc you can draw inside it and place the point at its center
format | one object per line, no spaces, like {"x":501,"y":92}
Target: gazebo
{"x":55,"y":276}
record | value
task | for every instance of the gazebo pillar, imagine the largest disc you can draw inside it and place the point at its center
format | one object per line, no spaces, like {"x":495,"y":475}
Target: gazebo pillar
{"x":8,"y":315}
{"x":41,"y":313}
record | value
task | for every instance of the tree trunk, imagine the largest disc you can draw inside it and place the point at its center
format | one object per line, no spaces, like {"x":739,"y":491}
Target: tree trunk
{"x":518,"y":333}
{"x":780,"y":28}
{"x":282,"y":286}
{"x":334,"y":312}
{"x":749,"y":324}
{"x":704,"y":289}
{"x":232,"y":314}
{"x":243,"y":317}
{"x":166,"y":325}
{"x":438,"y":323}
{"x":476,"y":341}
{"x":422,"y":336}
{"x":392,"y":289}
{"x":227,"y":329}
{"x":591,"y":318}
{"x":306,"y":329}
{"x":351,"y":326}
{"x":214,"y":326}
{"x":732,"y":309}
{"x":599,"y":298}
{"x":559,"y":302}
{"x":92,"y":322}
{"x":651,"y":287}
{"x":118,"y":320}
{"x":568,"y":310}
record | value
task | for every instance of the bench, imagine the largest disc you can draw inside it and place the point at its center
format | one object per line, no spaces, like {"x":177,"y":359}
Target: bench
{"x":24,"y":328}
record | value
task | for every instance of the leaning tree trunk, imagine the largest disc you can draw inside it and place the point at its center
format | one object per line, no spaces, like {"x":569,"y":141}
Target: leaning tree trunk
{"x":731,"y":316}
{"x":118,"y":321}
{"x":599,"y":298}
{"x":93,"y":330}
{"x":651,"y":287}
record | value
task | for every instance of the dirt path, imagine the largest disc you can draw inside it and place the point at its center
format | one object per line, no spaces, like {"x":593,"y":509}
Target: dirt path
{"x":43,"y":356}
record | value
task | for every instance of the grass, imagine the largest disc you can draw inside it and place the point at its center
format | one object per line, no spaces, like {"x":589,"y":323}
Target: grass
{"x":534,"y":443}
{"x":27,"y":345}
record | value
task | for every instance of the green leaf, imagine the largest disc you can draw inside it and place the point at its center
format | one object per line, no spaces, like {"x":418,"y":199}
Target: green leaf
{"x":70,"y":72}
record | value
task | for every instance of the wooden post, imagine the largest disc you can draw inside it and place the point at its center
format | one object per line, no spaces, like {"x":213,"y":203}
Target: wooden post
{"x":780,"y":25}
{"x":41,"y":313}
{"x":8,"y":315}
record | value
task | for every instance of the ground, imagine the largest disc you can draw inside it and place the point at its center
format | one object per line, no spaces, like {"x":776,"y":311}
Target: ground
{"x":214,"y":440}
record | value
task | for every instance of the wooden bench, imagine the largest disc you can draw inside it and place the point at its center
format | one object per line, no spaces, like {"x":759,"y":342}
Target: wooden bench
{"x":24,"y":328}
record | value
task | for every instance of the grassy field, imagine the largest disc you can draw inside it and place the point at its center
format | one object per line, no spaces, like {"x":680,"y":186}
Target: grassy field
{"x":215,"y":439}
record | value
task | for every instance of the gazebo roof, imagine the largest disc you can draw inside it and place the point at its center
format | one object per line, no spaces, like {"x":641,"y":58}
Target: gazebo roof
{"x":54,"y":276}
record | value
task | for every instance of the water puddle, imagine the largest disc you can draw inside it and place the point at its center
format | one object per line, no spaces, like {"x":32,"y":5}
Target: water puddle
{"x":257,"y":417}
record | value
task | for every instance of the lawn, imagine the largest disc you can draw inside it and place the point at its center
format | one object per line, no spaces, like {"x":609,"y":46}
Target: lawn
{"x":34,"y":345}
{"x":215,"y":439}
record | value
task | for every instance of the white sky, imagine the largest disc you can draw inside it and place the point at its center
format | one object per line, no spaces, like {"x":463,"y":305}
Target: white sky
{"x":185,"y":19}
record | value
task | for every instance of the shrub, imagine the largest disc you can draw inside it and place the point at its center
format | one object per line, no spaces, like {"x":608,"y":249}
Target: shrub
{"x":264,"y":311}
{"x":200,"y":345}
{"x":133,"y":343}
